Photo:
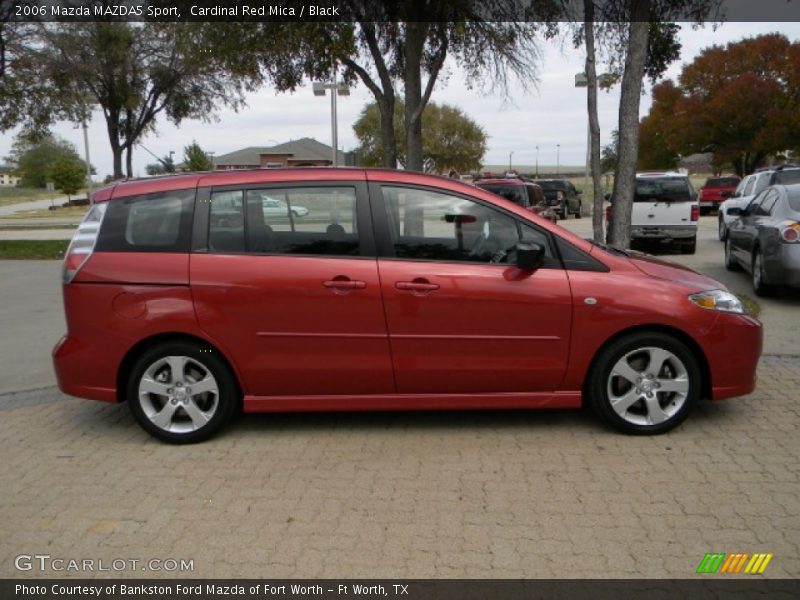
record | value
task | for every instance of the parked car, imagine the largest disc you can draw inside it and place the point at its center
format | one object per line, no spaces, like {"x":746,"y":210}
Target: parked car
{"x":750,"y":186}
{"x":765,"y":239}
{"x":564,"y":197}
{"x":523,"y":192}
{"x":665,"y":211}
{"x":716,"y":190}
{"x":407,"y":291}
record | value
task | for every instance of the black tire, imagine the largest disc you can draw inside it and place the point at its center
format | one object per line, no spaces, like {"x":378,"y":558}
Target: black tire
{"x":731,"y":264}
{"x":689,"y":247}
{"x":578,"y":212}
{"x":760,"y":287}
{"x":563,"y":212}
{"x":675,"y":406}
{"x":217,"y":407}
{"x":722,"y":231}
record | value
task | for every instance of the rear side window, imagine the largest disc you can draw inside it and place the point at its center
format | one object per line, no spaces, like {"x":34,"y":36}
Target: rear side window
{"x":160,"y":222}
{"x":663,"y":189}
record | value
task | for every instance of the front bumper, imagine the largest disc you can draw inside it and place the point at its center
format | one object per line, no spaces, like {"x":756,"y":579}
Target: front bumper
{"x":733,"y":347}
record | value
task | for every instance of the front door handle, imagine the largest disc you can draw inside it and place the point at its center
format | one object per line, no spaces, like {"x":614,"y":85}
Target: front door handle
{"x":419,"y":286}
{"x":342,"y":283}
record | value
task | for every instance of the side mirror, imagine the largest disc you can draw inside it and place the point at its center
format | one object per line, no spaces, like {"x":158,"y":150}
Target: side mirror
{"x":530,"y":256}
{"x":733,"y":212}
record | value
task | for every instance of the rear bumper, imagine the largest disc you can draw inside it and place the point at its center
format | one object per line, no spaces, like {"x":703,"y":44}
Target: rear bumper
{"x":76,"y":366}
{"x":733,"y":349}
{"x":710,"y":203}
{"x":663,"y":232}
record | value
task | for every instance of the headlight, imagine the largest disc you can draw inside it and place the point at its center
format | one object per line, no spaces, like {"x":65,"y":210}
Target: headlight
{"x":718,"y":300}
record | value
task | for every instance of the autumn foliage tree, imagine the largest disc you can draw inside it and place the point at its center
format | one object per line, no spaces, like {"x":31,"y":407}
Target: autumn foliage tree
{"x":739,"y":101}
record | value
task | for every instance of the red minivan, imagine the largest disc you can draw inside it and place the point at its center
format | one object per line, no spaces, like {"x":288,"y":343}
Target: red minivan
{"x":193,"y":296}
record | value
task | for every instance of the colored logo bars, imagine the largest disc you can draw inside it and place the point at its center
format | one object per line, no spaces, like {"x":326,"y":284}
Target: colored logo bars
{"x":723,"y":563}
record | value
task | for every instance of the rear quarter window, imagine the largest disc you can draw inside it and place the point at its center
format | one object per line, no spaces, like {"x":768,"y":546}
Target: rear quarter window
{"x":159,"y":222}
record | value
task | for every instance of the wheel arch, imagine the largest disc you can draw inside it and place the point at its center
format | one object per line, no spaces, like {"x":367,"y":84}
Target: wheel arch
{"x":682,"y":336}
{"x":145,"y":344}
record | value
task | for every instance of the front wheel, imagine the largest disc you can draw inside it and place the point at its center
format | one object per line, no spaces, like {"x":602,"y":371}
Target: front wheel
{"x":180,"y":392}
{"x":578,"y":212}
{"x":644,"y":383}
{"x":722,"y":231}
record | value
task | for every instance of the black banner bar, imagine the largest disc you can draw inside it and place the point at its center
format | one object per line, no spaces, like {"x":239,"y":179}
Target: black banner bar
{"x":714,"y":586}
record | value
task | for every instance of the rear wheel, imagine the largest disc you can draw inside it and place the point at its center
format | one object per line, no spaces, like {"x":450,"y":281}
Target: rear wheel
{"x":644,"y":383}
{"x":689,"y":247}
{"x":181,"y":393}
{"x":578,"y":212}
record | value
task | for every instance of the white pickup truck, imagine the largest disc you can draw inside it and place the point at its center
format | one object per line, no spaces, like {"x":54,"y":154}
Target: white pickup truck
{"x":665,"y":210}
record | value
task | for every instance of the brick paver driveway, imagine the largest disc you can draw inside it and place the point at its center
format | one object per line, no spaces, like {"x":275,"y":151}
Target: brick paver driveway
{"x":482,"y":494}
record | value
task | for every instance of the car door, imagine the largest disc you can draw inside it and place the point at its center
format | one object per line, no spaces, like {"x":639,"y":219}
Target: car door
{"x":295,"y":301}
{"x":461,"y":317}
{"x":744,"y":230}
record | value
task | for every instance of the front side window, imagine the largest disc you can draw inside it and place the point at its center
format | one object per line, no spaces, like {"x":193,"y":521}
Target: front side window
{"x":428,"y":225}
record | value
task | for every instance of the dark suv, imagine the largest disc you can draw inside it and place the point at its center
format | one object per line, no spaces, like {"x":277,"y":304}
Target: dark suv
{"x":520,"y":191}
{"x":562,"y":196}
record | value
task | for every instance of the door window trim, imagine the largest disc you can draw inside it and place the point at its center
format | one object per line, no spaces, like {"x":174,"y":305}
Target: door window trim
{"x":202,"y":219}
{"x":383,"y":235}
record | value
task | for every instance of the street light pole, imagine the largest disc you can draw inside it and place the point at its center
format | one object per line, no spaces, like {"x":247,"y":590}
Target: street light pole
{"x":88,"y":163}
{"x":510,"y":155}
{"x":558,"y":158}
{"x":537,"y":162}
{"x":336,"y":89}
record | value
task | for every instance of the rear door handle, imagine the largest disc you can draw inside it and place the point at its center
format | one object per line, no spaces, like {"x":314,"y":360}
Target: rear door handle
{"x":419,"y":285}
{"x":342,"y":283}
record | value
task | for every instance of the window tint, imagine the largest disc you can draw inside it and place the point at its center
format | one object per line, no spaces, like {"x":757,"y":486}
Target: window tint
{"x":430,"y":225}
{"x":148,"y":223}
{"x":226,"y":222}
{"x":793,"y":196}
{"x":761,"y":183}
{"x":748,"y":188}
{"x":787,"y":177}
{"x":515,"y":193}
{"x":663,"y":189}
{"x":722,"y":182}
{"x":314,"y":220}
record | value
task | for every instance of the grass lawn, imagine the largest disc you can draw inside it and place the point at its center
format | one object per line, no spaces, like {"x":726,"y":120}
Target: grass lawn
{"x":15,"y":195}
{"x":73,"y":211}
{"x":33,"y":249}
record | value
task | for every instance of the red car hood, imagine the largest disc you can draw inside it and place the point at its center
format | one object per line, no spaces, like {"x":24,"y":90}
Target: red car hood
{"x":663,"y":269}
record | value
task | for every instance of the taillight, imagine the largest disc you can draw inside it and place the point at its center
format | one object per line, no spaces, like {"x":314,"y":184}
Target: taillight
{"x":82,"y":244}
{"x":608,"y":213}
{"x":790,"y":232}
{"x":695,"y":212}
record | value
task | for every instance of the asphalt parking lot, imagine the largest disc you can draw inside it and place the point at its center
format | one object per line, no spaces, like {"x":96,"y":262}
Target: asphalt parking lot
{"x":463,"y":494}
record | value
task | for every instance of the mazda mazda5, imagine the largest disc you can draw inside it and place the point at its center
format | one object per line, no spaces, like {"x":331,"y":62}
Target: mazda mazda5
{"x":188,"y":300}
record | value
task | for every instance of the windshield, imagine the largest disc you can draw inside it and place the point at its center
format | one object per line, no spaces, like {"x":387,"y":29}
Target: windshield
{"x":716,"y":182}
{"x":515,"y":193}
{"x":663,"y":189}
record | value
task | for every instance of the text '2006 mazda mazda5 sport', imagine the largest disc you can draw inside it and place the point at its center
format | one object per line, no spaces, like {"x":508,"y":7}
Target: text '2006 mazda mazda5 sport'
{"x":391,"y":290}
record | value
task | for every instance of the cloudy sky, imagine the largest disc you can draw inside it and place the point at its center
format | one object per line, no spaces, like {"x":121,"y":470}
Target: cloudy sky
{"x":553,"y":112}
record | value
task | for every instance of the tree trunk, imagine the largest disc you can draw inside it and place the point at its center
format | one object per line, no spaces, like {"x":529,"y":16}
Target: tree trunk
{"x":116,"y":148}
{"x":415,"y":41}
{"x":594,"y":125}
{"x":619,"y":232}
{"x":129,"y":160}
{"x":388,"y":138}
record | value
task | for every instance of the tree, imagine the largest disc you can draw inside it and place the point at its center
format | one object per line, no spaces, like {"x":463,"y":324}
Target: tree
{"x":739,"y":101}
{"x":162,"y":167}
{"x":452,"y":141}
{"x":34,"y":157}
{"x":68,"y":173}
{"x":194,"y":159}
{"x":384,"y":44}
{"x":134,"y":71}
{"x":657,"y":142}
{"x":608,"y":160}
